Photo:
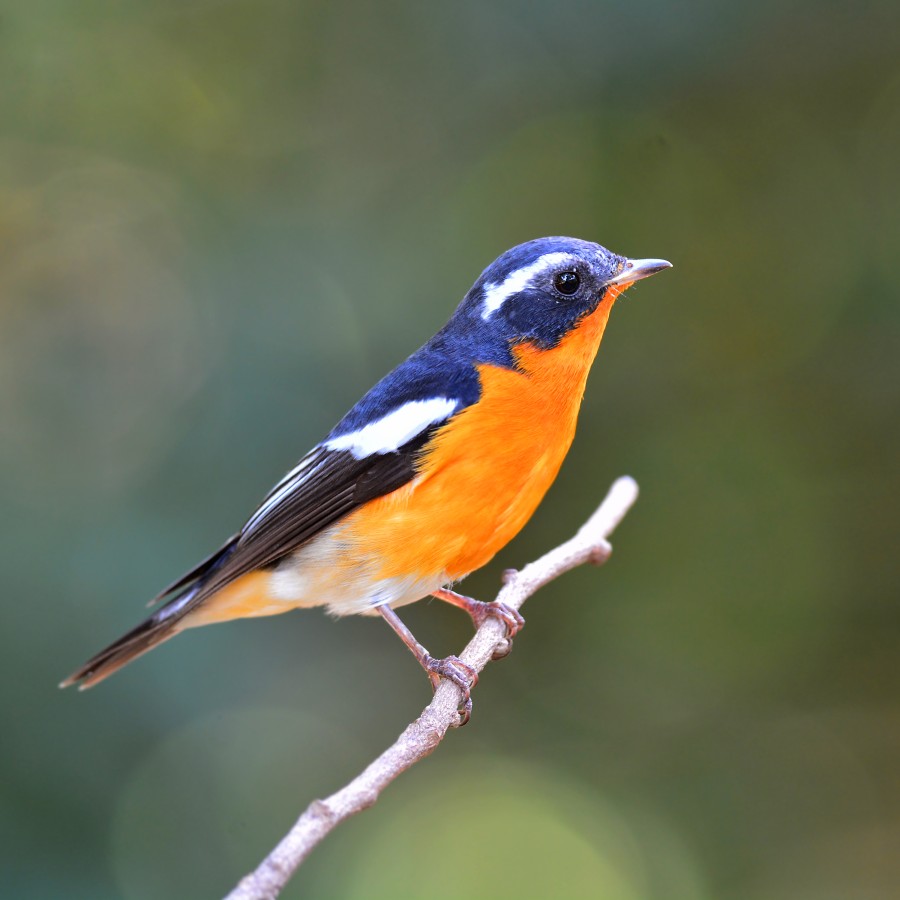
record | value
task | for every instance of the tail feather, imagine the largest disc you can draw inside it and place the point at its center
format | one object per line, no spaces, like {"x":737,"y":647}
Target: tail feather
{"x":130,"y":646}
{"x":162,"y":625}
{"x":201,"y":570}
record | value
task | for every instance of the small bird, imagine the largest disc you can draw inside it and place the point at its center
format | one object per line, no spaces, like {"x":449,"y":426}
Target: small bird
{"x":437,"y":468}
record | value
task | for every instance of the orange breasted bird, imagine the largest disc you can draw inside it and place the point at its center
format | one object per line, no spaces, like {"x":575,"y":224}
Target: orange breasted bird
{"x":437,"y":468}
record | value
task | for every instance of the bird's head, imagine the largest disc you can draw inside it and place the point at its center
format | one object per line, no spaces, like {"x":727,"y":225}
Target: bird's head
{"x":538,"y":292}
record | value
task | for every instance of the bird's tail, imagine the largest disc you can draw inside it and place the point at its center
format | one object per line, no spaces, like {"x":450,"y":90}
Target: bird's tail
{"x":166,"y":622}
{"x":146,"y":636}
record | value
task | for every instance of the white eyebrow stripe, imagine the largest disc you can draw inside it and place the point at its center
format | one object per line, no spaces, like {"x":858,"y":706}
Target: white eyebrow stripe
{"x":496,"y":294}
{"x":389,"y":433}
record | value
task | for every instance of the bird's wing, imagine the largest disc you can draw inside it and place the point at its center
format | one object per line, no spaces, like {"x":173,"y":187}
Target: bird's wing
{"x":331,"y":481}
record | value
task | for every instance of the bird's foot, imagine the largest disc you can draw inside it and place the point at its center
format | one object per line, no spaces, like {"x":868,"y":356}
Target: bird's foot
{"x":480,"y":611}
{"x":511,"y":618}
{"x":459,"y":673}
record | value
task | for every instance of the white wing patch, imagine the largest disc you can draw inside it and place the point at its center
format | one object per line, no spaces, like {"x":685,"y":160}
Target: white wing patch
{"x":397,"y":428}
{"x":384,"y":435}
{"x":495,"y":295}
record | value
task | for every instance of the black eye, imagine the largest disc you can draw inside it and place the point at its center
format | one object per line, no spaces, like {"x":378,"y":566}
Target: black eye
{"x":567,"y":283}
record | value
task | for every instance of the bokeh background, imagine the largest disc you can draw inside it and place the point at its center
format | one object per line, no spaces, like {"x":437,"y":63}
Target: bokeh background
{"x":220,"y":222}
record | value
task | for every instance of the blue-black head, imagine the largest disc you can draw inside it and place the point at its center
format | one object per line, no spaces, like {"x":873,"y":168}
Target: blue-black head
{"x":537,"y":292}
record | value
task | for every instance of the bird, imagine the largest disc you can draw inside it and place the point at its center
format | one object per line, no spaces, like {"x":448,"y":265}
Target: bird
{"x":428,"y":476}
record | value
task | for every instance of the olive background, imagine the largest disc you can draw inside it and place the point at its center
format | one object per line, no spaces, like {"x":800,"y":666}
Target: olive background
{"x":221,"y":222}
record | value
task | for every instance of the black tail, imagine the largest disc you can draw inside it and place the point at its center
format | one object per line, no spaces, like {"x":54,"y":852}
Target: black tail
{"x":128,"y":647}
{"x":162,"y":625}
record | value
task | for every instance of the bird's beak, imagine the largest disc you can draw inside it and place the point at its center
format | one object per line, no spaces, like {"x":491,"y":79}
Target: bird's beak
{"x":636,"y":269}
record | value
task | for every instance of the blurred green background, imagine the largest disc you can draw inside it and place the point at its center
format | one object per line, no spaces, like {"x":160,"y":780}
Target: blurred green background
{"x":220,"y":222}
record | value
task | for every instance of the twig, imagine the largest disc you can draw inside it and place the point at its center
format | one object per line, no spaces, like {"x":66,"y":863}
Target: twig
{"x":423,"y":735}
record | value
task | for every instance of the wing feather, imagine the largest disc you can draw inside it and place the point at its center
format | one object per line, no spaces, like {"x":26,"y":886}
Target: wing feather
{"x":329,"y":487}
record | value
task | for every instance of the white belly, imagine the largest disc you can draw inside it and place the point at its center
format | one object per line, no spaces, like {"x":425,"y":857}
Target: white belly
{"x":322,"y":573}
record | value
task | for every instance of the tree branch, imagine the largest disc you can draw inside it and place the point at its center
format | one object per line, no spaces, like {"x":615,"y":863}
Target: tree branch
{"x":423,"y":735}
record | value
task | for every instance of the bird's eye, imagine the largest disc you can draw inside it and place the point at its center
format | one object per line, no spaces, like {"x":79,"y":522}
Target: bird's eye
{"x":567,"y":282}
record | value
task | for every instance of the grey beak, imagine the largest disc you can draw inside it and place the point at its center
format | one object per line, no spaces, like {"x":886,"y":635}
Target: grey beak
{"x":636,"y":269}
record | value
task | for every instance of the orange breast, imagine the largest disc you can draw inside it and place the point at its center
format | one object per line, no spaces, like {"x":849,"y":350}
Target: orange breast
{"x":485,"y":473}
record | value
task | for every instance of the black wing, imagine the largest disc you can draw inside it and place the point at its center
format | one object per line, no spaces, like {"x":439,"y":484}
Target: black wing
{"x":325,"y":486}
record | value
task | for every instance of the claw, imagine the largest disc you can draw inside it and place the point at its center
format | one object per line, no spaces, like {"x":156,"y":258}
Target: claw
{"x":462,"y":675}
{"x":451,"y":667}
{"x":511,"y":618}
{"x":480,"y":611}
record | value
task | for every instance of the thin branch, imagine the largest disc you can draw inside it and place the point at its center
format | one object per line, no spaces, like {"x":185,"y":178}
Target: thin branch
{"x":423,"y":735}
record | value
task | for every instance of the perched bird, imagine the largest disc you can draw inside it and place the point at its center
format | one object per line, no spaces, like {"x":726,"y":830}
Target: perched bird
{"x":437,"y":468}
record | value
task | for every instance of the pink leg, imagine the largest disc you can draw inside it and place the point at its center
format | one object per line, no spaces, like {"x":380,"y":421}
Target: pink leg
{"x":479,"y":611}
{"x":451,"y":667}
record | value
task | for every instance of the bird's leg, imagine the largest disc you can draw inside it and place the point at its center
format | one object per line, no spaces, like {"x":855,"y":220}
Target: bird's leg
{"x":479,"y":611}
{"x":451,"y":667}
